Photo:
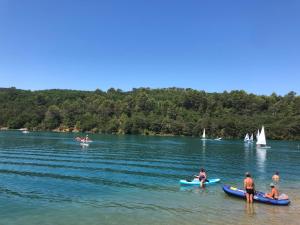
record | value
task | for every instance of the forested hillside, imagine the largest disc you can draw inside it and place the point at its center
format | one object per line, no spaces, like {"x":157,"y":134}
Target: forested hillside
{"x":170,"y":111}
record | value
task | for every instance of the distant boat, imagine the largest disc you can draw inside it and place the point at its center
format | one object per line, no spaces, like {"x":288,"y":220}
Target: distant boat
{"x":86,"y":140}
{"x":246,"y":139}
{"x":261,"y":141}
{"x":83,"y":139}
{"x":218,"y":139}
{"x":24,"y":130}
{"x":203,"y":135}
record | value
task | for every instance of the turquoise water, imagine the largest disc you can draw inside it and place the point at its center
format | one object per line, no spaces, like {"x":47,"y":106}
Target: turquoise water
{"x":47,"y":178}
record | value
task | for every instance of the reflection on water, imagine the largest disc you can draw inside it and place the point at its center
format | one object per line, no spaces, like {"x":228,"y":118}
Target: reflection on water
{"x":247,"y":145}
{"x":193,"y":188}
{"x":261,"y":155}
{"x":203,"y":145}
{"x":249,"y":209}
{"x":203,"y":142}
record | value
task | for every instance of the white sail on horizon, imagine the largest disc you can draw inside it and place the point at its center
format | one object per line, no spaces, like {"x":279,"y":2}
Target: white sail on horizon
{"x":203,"y":134}
{"x":257,"y":135}
{"x":262,"y":137}
{"x":246,"y":139}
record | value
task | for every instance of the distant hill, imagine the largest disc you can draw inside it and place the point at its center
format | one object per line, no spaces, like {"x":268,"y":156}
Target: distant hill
{"x":168,"y":111}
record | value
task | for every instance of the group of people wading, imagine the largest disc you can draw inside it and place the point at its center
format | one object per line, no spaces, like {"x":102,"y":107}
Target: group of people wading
{"x":83,"y":139}
{"x":250,"y":188}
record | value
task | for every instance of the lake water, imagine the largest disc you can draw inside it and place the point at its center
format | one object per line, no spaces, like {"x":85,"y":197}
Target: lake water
{"x":47,"y":178}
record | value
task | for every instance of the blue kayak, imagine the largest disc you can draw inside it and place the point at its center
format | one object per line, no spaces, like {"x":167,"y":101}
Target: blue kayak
{"x":259,"y":196}
{"x":197,"y":182}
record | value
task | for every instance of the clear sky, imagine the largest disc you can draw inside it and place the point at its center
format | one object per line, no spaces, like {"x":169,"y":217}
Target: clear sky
{"x":211,"y":45}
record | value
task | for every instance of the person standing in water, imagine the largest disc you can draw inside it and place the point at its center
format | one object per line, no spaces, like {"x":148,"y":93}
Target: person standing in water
{"x":276,"y":177}
{"x":249,"y":187}
{"x":86,"y":138}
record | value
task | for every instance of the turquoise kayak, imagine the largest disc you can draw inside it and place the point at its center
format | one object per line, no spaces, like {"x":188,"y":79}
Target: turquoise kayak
{"x":197,"y":182}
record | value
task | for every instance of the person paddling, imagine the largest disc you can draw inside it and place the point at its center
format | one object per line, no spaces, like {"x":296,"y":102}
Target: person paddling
{"x":249,"y":187}
{"x":274,"y":192}
{"x":202,"y":176}
{"x":78,"y":138}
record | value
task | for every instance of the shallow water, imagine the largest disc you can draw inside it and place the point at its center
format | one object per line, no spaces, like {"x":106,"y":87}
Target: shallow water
{"x":47,"y":178}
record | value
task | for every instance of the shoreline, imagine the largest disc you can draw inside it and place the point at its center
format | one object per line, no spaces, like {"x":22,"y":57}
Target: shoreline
{"x":71,"y":130}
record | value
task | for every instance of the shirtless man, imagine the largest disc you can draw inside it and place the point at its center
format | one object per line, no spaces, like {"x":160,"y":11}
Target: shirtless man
{"x":276,"y":177}
{"x":249,"y":187}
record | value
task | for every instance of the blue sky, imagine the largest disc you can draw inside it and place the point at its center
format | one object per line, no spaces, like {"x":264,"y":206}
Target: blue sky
{"x":213,"y":45}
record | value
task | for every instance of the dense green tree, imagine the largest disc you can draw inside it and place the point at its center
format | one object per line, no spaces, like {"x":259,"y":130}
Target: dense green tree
{"x":52,"y":117}
{"x":168,"y":111}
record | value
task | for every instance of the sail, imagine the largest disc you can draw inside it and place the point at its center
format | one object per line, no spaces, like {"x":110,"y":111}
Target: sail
{"x":246,"y":138}
{"x":203,"y":135}
{"x":262,"y":137}
{"x":257,"y":135}
{"x":251,"y":138}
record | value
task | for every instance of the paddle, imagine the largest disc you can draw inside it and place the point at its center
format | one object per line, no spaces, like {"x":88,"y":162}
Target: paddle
{"x":191,"y":179}
{"x":195,"y":176}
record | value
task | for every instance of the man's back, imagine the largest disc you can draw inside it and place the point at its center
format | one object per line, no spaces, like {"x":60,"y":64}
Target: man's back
{"x":248,"y":183}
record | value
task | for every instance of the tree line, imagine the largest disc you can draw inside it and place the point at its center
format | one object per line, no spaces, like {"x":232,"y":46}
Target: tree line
{"x":168,"y":111}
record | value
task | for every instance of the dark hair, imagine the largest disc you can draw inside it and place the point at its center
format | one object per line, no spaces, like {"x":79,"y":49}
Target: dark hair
{"x":202,"y":170}
{"x":248,"y":174}
{"x":277,"y":173}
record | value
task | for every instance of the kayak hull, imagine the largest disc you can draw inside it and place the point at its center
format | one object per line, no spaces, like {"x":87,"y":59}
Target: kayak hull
{"x":197,"y":182}
{"x":84,"y":144}
{"x":259,"y":196}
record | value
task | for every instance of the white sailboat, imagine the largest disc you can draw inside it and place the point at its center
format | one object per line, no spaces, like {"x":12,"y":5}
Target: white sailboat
{"x":251,"y":138}
{"x":246,"y":139}
{"x":261,"y":141}
{"x":203,"y":135}
{"x":257,"y":135}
